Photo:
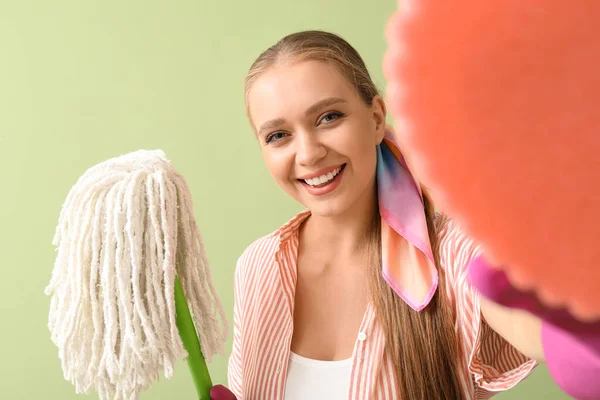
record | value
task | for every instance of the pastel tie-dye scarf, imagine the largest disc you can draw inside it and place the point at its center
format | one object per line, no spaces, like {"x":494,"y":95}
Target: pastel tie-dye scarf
{"x":408,"y":264}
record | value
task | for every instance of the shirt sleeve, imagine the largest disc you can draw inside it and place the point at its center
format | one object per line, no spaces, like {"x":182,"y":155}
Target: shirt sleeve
{"x":234,"y":373}
{"x":493,"y":363}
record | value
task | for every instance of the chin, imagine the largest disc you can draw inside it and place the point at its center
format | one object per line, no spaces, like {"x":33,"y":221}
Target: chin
{"x":328,"y":209}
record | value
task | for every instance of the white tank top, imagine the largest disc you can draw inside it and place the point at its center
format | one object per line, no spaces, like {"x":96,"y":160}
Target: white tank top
{"x":309,"y":379}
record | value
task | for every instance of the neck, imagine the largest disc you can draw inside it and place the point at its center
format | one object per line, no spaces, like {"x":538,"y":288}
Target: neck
{"x":347,"y":231}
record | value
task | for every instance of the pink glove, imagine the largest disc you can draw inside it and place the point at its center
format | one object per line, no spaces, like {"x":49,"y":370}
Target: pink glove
{"x":220,"y":392}
{"x":571,"y":347}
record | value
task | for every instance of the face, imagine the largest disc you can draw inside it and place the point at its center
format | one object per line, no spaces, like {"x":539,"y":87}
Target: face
{"x":317,"y":136}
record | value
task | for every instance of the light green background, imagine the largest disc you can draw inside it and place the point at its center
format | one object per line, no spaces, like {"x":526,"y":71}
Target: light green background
{"x":83,"y":81}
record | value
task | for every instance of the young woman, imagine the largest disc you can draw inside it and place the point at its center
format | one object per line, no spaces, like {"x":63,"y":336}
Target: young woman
{"x":364,"y":295}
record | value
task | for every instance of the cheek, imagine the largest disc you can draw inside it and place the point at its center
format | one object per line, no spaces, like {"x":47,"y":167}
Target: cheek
{"x":360,"y":147}
{"x":360,"y":135}
{"x":363,"y":155}
{"x":367,"y":164}
{"x":279,"y":165}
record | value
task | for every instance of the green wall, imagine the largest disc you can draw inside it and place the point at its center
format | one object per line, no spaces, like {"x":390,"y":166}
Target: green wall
{"x":83,"y":81}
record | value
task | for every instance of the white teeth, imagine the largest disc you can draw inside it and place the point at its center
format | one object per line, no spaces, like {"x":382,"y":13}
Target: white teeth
{"x":320,"y":180}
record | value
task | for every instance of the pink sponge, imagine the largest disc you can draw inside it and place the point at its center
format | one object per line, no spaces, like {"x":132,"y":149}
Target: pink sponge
{"x":498,"y":111}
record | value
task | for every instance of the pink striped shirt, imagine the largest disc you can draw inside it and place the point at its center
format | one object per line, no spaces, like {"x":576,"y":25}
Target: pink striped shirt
{"x":265,"y":281}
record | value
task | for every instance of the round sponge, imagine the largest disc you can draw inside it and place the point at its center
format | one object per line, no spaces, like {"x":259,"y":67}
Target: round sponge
{"x":497,"y":106}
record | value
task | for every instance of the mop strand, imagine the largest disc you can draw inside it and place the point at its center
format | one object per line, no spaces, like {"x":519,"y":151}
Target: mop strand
{"x":126,"y":229}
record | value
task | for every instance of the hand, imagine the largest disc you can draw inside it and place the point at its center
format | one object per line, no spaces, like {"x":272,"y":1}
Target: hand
{"x":220,"y":392}
{"x":571,"y":347}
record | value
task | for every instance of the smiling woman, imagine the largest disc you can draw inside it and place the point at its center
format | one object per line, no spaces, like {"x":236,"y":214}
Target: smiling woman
{"x":84,"y":81}
{"x":362,"y":295}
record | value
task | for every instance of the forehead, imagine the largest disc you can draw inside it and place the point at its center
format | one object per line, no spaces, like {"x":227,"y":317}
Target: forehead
{"x":288,"y":89}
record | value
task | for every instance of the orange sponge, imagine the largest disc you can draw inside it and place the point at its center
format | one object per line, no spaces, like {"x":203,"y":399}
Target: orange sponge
{"x":498,"y":112}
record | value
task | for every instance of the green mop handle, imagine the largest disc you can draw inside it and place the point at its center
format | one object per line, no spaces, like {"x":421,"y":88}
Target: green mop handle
{"x":187,"y":331}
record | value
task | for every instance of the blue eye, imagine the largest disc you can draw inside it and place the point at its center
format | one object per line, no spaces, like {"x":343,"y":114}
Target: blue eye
{"x":330,"y":117}
{"x":275,"y":136}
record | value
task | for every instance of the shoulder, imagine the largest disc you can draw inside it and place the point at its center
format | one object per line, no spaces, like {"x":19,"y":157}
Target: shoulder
{"x":260,"y":253}
{"x":454,"y":245}
{"x":455,"y":250}
{"x":449,"y":233}
{"x":259,"y":257}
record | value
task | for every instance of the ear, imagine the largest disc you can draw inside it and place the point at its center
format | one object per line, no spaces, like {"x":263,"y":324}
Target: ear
{"x":379,"y":113}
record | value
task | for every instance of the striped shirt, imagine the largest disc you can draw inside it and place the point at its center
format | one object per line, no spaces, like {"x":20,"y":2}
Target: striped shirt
{"x":265,"y":281}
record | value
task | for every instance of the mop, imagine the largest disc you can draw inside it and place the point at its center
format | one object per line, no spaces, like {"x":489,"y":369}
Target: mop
{"x":130,"y":261}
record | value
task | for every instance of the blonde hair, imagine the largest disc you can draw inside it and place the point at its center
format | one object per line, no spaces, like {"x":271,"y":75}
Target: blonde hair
{"x":423,"y":346}
{"x":316,"y":46}
{"x":125,"y":230}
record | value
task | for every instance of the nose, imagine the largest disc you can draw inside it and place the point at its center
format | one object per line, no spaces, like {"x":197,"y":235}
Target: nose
{"x":309,"y":149}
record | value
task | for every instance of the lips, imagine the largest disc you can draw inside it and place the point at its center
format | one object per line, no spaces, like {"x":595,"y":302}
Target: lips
{"x":325,"y":182}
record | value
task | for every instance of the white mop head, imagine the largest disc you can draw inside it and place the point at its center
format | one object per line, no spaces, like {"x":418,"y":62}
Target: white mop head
{"x":125,"y":230}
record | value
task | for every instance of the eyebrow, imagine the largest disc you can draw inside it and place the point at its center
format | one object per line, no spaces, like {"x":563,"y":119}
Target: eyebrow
{"x":273,"y":123}
{"x":324,"y":103}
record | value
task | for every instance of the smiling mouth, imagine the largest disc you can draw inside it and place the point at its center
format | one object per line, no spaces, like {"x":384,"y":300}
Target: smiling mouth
{"x":323,"y":180}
